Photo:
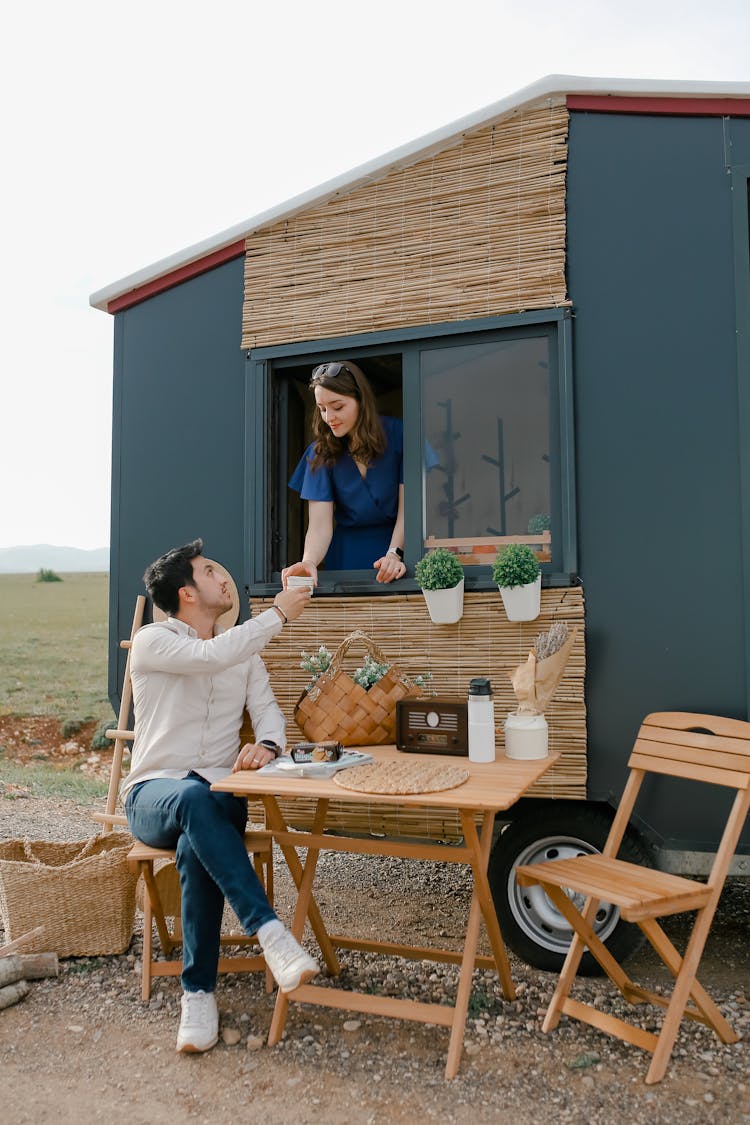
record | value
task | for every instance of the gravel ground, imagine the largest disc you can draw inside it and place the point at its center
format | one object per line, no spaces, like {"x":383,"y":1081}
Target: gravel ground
{"x":83,"y":1046}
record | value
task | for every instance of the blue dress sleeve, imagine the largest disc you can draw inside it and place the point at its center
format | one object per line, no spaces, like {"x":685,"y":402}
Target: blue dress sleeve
{"x":312,"y":484}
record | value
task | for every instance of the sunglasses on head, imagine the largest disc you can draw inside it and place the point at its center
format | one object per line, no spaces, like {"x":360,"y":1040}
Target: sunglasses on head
{"x":329,"y":371}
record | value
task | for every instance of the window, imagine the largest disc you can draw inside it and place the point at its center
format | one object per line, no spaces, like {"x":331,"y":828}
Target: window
{"x":488,"y":445}
{"x":486,"y":465}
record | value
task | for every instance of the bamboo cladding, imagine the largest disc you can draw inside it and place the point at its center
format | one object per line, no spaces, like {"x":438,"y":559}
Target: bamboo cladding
{"x":474,"y":231}
{"x":482,"y":643}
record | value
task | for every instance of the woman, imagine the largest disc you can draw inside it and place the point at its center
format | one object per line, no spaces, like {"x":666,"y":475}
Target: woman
{"x":352,"y":478}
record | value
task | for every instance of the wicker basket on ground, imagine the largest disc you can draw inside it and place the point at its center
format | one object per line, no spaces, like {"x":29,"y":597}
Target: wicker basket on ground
{"x":82,"y":894}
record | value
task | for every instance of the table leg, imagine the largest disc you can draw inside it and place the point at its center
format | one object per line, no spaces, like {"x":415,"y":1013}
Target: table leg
{"x":305,"y":908}
{"x":464,"y":989}
{"x":275,"y":820}
{"x":479,"y":850}
{"x":484,"y":894}
{"x":305,"y":886}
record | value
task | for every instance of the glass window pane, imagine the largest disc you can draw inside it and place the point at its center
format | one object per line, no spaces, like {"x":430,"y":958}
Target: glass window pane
{"x":486,"y":460}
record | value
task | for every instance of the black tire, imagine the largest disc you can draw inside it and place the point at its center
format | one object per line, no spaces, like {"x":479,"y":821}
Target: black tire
{"x":532,"y":927}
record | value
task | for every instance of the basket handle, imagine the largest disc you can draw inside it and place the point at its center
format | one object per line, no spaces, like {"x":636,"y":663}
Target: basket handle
{"x":360,"y":638}
{"x":89,"y":846}
{"x":86,"y":849}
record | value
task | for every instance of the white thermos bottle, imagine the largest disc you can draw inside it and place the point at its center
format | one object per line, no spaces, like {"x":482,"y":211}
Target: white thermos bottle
{"x":481,"y":720}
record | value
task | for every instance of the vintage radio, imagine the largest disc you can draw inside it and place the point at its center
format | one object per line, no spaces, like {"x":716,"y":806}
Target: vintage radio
{"x":432,"y":726}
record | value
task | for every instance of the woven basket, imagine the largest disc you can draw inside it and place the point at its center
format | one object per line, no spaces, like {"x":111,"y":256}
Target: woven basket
{"x":83,"y":894}
{"x":337,"y":708}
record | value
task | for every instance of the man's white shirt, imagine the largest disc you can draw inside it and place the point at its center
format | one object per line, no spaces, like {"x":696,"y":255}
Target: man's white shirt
{"x":189,"y":696}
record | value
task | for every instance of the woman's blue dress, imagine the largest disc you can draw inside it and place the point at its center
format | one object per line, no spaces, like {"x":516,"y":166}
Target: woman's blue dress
{"x":364,"y":509}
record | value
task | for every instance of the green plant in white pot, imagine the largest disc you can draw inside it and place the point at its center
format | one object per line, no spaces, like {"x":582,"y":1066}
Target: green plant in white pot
{"x":518,"y":575}
{"x":441,"y":577}
{"x":539,"y":523}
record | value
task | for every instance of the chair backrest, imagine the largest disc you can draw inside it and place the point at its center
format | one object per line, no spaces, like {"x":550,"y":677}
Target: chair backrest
{"x":122,"y":735}
{"x":696,"y":747}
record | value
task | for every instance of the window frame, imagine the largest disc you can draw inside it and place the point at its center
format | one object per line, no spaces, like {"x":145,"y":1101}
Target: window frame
{"x":260,"y":423}
{"x":740,"y":181}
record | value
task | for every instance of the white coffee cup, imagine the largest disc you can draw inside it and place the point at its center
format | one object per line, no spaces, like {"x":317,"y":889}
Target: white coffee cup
{"x":295,"y":581}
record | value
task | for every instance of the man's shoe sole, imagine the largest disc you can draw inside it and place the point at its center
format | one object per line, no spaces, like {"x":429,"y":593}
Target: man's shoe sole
{"x":191,"y":1049}
{"x":305,"y":976}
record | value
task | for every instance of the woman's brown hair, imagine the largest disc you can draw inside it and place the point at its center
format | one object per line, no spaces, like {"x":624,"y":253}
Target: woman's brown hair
{"x":366,"y":440}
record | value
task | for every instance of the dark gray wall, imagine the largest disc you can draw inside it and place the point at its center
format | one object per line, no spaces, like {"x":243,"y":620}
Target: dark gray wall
{"x":650,"y":258}
{"x":178,"y":434}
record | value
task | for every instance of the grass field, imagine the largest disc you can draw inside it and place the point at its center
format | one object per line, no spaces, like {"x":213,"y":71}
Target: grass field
{"x":42,"y":780}
{"x":53,"y":646}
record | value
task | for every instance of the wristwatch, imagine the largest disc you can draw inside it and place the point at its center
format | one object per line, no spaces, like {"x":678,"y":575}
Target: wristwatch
{"x":269,"y":745}
{"x":396,"y":551}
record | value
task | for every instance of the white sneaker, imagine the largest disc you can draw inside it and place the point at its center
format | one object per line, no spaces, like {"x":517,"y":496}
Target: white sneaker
{"x":290,"y":964}
{"x":199,"y":1024}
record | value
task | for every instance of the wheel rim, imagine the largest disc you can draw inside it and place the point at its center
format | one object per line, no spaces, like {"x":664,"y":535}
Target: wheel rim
{"x":534,"y":912}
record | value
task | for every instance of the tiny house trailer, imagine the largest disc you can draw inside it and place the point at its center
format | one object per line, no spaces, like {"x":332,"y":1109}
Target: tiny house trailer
{"x":554,"y":295}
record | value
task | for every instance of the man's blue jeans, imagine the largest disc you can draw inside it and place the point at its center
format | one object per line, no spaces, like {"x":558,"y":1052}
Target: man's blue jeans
{"x":207,"y":831}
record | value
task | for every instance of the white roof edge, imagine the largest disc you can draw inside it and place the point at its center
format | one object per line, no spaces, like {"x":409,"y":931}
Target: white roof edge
{"x":549,"y":86}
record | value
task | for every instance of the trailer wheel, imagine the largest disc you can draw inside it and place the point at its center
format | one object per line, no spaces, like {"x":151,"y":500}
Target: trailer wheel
{"x":531,"y":926}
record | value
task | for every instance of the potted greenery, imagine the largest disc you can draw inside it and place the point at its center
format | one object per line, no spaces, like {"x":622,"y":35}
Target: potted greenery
{"x":441,"y":577}
{"x":539,"y":523}
{"x":518,"y":575}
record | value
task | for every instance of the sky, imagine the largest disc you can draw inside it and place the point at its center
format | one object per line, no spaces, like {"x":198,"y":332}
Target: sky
{"x":130,"y":132}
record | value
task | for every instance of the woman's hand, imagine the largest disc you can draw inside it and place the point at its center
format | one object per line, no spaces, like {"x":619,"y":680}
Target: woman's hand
{"x":305,"y":568}
{"x":389,"y":568}
{"x":392,"y":565}
{"x":317,"y":540}
{"x":252,"y":756}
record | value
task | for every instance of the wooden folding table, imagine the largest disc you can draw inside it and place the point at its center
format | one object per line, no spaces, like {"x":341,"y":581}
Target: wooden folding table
{"x":490,"y":788}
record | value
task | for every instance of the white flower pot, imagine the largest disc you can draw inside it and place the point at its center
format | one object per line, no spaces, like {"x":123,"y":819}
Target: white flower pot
{"x":522,"y":603}
{"x":526,"y":736}
{"x":445,"y":606}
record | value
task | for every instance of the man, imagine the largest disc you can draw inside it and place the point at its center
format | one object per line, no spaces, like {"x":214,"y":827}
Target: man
{"x":191,"y":683}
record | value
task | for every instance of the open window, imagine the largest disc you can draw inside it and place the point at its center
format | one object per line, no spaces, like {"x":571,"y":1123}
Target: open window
{"x":290,"y":406}
{"x":488,"y":444}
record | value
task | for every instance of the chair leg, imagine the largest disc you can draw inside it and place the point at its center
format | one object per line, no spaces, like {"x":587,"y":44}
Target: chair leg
{"x":168,"y":941}
{"x":711,"y":1014}
{"x":583,"y":937}
{"x":148,"y":947}
{"x":153,"y":912}
{"x":669,"y":1029}
{"x":564,"y":984}
{"x":686,"y":985}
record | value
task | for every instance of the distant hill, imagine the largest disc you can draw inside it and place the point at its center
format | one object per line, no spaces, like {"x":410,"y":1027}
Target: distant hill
{"x":28,"y":560}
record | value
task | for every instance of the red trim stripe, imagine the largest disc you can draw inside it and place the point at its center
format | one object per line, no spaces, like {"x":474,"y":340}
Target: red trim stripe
{"x":694,"y":107}
{"x":184,"y":273}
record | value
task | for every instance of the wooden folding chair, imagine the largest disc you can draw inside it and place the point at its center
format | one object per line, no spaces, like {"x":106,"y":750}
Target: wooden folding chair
{"x":697,"y":747}
{"x":161,"y":899}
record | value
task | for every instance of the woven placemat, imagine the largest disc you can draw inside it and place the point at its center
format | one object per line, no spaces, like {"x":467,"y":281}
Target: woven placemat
{"x":401,"y":777}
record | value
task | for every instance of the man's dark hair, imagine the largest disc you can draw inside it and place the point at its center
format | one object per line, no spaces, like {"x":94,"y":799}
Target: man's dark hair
{"x":169,"y":573}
